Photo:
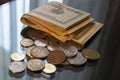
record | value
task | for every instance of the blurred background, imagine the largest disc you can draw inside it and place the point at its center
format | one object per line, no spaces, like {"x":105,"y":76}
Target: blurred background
{"x":106,"y":42}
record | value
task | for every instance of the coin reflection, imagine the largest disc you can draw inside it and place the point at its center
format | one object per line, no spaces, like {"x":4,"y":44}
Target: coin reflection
{"x":36,"y":74}
{"x":16,"y":75}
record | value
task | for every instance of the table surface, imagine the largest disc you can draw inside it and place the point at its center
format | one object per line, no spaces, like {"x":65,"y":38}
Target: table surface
{"x":83,"y":72}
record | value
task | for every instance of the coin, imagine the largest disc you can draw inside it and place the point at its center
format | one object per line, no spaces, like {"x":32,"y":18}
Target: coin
{"x":90,"y":54}
{"x":36,"y":34}
{"x":56,"y":57}
{"x":17,"y":67}
{"x":52,"y":46}
{"x":17,"y":56}
{"x":49,"y":68}
{"x":70,"y":51}
{"x":39,"y":52}
{"x":26,"y":42}
{"x":35,"y":64}
{"x":77,"y":60}
{"x":28,"y":51}
{"x":41,"y":42}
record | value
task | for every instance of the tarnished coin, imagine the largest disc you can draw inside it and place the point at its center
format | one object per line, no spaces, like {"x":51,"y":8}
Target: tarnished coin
{"x":26,"y":42}
{"x":28,"y":51}
{"x":39,"y":52}
{"x":52,"y":46}
{"x":36,"y":34}
{"x":17,"y":67}
{"x":70,"y":51}
{"x":77,"y":60}
{"x":56,"y":57}
{"x":17,"y":56}
{"x":49,"y":68}
{"x":90,"y":54}
{"x":35,"y":64}
{"x":41,"y":42}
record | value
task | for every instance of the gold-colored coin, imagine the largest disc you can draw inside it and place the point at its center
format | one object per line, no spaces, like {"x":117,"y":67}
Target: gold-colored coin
{"x":17,"y":56}
{"x":90,"y":54}
{"x":49,"y":68}
{"x":28,"y":51}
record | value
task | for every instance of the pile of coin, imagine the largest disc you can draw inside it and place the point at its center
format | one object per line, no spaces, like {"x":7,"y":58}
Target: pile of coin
{"x":40,"y":46}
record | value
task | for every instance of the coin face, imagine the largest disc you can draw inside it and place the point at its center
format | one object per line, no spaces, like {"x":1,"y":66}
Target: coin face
{"x":41,"y":42}
{"x":35,"y":64}
{"x":52,"y":46}
{"x":26,"y":42}
{"x":36,"y":34}
{"x":49,"y":68}
{"x":56,"y":57}
{"x":17,"y":67}
{"x":17,"y":56}
{"x":77,"y":60}
{"x":39,"y":52}
{"x":28,"y":51}
{"x":70,"y":51}
{"x":90,"y":54}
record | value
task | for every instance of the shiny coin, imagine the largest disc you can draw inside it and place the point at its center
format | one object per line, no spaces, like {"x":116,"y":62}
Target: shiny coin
{"x":35,"y":64}
{"x":39,"y":52}
{"x":28,"y":51}
{"x":49,"y":68}
{"x":17,"y":67}
{"x":36,"y":34}
{"x":70,"y":51}
{"x":26,"y":42}
{"x":52,"y":46}
{"x":77,"y":60}
{"x":17,"y":56}
{"x":41,"y":42}
{"x":90,"y":54}
{"x":56,"y":57}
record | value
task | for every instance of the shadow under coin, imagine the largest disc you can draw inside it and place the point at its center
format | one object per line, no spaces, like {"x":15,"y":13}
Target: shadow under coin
{"x":16,"y":75}
{"x":92,"y":63}
{"x":33,"y":74}
{"x":71,"y":68}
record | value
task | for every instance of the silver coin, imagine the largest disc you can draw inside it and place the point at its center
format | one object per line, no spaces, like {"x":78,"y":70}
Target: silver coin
{"x":41,"y":42}
{"x":35,"y":64}
{"x":39,"y":52}
{"x":17,"y":56}
{"x":53,"y":46}
{"x":70,"y":51}
{"x":17,"y":67}
{"x":26,"y":42}
{"x":77,"y":60}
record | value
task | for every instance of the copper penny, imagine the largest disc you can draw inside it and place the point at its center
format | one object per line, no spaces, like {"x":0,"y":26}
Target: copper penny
{"x":90,"y":54}
{"x":56,"y":57}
